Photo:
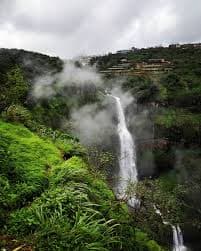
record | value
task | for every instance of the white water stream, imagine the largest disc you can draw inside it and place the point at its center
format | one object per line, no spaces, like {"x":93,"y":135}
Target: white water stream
{"x":127,"y":160}
{"x":178,"y":242}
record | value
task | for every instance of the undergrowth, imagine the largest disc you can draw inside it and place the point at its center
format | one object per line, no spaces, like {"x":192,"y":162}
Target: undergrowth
{"x":60,"y":204}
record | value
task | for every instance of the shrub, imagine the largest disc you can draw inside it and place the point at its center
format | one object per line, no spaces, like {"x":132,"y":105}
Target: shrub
{"x":64,"y":219}
{"x":17,"y":113}
{"x":24,"y":160}
{"x":14,"y":90}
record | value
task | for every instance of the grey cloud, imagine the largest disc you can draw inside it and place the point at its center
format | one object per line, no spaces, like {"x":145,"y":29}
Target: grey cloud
{"x":189,"y":20}
{"x":71,"y":28}
{"x":60,"y":17}
{"x":6,"y":8}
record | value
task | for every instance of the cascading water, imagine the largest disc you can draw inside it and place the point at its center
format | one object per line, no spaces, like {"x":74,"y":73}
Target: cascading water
{"x":178,"y":242}
{"x":127,"y":161}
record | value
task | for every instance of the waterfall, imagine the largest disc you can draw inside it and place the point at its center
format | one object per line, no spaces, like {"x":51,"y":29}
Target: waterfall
{"x":127,"y":160}
{"x":128,"y":173}
{"x":178,"y":242}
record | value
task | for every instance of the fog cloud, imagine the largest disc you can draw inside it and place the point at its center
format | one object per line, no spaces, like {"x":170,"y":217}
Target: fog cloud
{"x":126,"y":97}
{"x":79,"y":76}
{"x":49,"y":84}
{"x":92,"y":125}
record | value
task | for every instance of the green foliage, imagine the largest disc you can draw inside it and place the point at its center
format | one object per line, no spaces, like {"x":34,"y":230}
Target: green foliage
{"x":178,"y":117}
{"x":142,"y":87}
{"x":24,"y":160}
{"x":33,"y":64}
{"x":87,"y":233}
{"x":180,"y":124}
{"x":63,"y":219}
{"x":73,"y":169}
{"x":189,"y":175}
{"x":166,"y":195}
{"x":55,"y":112}
{"x":51,"y":112}
{"x":59,"y":204}
{"x":173,"y":83}
{"x":148,"y":244}
{"x":100,"y":160}
{"x":18,"y":113}
{"x":14,"y":90}
{"x":69,"y":146}
{"x":164,"y":159}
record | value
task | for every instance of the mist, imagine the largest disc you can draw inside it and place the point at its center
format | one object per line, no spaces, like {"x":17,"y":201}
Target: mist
{"x":95,"y":124}
{"x":92,"y":125}
{"x":142,"y":127}
{"x":43,"y":87}
{"x":50,"y":84}
{"x":78,"y":76}
{"x":126,"y":97}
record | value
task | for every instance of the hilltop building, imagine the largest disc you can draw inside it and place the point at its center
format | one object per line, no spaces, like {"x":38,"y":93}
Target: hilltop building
{"x":131,"y":68}
{"x":154,"y":66}
{"x":123,"y":51}
{"x":174,"y":46}
{"x":185,"y":46}
{"x":132,"y":49}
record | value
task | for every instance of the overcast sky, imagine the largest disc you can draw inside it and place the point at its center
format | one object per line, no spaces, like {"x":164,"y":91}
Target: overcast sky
{"x":69,"y":28}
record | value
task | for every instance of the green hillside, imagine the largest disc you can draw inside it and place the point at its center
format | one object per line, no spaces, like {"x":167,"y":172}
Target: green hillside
{"x":50,"y":203}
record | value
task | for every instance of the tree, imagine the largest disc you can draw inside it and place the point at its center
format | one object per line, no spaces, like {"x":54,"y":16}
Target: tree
{"x":14,"y":90}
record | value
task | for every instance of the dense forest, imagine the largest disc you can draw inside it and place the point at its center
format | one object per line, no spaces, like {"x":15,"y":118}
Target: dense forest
{"x":56,"y":192}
